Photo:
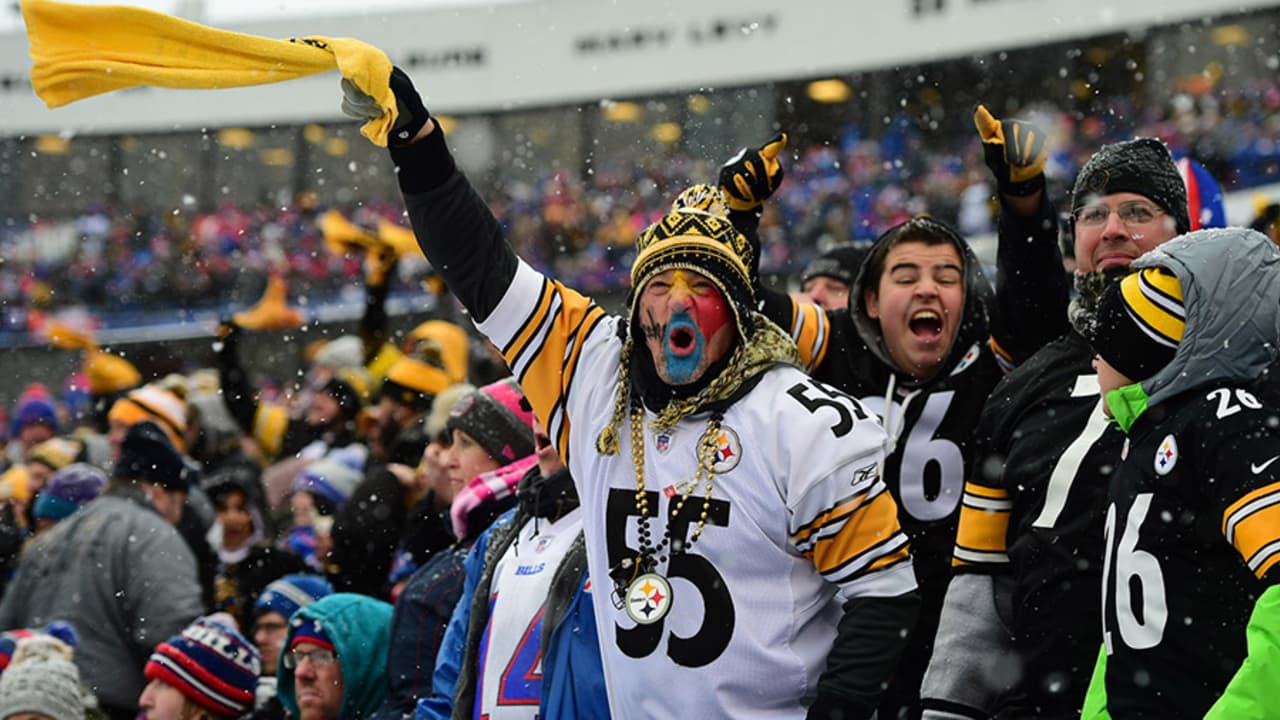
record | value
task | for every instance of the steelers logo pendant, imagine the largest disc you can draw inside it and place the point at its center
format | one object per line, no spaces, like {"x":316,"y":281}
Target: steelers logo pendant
{"x":648,"y":598}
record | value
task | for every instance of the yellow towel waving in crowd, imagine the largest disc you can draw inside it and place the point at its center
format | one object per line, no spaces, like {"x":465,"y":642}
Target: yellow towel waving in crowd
{"x":79,"y":51}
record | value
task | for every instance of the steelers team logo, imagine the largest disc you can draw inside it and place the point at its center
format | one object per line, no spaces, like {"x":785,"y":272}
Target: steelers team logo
{"x":1166,"y":455}
{"x":648,"y":598}
{"x":728,"y":451}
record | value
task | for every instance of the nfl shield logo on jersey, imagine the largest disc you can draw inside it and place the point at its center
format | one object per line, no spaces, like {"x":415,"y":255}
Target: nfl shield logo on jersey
{"x":1166,"y":456}
{"x":663,"y":442}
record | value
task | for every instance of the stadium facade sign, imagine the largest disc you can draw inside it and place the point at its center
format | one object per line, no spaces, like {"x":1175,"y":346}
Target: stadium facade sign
{"x":550,"y":52}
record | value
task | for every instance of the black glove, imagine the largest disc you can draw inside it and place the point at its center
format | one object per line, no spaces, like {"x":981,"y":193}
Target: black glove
{"x":411,"y":114}
{"x":751,"y":176}
{"x":1014,"y":151}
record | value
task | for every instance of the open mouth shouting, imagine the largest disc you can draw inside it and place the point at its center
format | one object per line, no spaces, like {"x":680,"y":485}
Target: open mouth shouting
{"x":683,"y":338}
{"x":926,"y":325}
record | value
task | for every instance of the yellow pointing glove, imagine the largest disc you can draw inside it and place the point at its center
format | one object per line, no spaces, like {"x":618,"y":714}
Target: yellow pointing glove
{"x":1015,"y":152}
{"x":753,"y":175}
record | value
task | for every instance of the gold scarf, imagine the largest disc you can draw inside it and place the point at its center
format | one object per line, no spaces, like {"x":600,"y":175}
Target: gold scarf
{"x":768,"y":346}
{"x":79,"y":51}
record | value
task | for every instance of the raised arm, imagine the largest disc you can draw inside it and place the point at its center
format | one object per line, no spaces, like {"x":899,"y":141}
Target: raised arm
{"x":542,"y":322}
{"x":1031,"y":286}
{"x":748,"y":179}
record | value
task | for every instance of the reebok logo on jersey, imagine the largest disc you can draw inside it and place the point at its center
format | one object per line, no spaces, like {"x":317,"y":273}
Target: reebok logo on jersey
{"x":1257,"y":469}
{"x":1166,"y":455}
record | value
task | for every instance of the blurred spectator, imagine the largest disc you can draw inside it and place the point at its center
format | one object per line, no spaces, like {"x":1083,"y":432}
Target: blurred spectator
{"x":70,"y":489}
{"x":209,"y":669}
{"x":272,"y":611}
{"x":121,"y":550}
{"x":42,"y":682}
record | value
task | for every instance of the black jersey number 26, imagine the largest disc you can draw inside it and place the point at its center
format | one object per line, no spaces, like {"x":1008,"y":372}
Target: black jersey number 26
{"x":711,"y":639}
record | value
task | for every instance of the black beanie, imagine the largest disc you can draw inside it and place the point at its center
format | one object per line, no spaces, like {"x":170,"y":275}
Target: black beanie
{"x":1140,"y":322}
{"x":839,"y":263}
{"x":1142,"y":166}
{"x":346,"y":396}
{"x":147,"y":455}
{"x":499,"y":418}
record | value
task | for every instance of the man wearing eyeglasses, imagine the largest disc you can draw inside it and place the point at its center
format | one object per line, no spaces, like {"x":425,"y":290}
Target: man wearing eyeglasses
{"x":1020,"y":627}
{"x":335,"y":664}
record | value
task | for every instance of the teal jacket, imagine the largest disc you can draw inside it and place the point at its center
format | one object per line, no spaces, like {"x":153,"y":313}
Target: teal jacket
{"x":360,"y":628}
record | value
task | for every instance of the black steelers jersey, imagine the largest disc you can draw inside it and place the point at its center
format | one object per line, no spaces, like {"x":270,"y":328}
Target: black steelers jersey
{"x":1192,"y":538}
{"x":1033,"y":507}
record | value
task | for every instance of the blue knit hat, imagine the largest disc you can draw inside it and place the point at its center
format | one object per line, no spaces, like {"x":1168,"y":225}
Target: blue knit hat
{"x":291,"y":593}
{"x":68,"y":490}
{"x":210,"y":664}
{"x":34,"y":407}
{"x":310,"y":630}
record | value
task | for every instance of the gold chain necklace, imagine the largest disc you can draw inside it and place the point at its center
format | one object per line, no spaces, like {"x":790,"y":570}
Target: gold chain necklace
{"x":645,"y":593}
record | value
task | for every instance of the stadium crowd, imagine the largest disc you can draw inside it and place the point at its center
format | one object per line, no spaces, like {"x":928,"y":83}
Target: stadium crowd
{"x":901,"y":498}
{"x":845,"y":189}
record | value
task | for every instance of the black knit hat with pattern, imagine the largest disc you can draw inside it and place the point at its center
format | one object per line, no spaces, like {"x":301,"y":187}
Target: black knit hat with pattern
{"x":1142,"y":166}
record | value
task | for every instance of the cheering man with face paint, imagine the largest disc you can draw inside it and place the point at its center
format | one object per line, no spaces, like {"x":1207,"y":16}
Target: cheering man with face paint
{"x":747,"y":558}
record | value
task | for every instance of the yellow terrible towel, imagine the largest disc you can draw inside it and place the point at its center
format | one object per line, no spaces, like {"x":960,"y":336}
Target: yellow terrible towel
{"x":79,"y":51}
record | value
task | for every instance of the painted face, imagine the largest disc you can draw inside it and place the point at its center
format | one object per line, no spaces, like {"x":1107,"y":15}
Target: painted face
{"x":827,"y":292}
{"x":687,"y":324}
{"x":1115,"y":242}
{"x":919,"y":304}
{"x":161,"y":701}
{"x":269,"y":632}
{"x":318,"y":685}
{"x":465,"y":459}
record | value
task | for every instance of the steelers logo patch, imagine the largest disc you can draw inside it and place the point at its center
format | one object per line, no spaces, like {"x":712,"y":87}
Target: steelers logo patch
{"x":1166,"y":455}
{"x":648,"y":598}
{"x":728,"y":451}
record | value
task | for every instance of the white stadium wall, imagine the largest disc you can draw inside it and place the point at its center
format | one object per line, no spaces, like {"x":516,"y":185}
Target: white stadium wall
{"x":547,"y":52}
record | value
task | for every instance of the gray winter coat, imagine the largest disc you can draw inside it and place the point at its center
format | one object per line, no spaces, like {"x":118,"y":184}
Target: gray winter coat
{"x":121,"y":576}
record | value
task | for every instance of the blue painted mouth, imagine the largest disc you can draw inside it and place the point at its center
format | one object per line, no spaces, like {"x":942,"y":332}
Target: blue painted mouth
{"x":682,"y":348}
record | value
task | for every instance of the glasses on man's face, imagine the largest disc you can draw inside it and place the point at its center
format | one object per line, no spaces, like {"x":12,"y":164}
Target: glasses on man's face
{"x":1133,"y":213}
{"x":271,"y":627}
{"x":318,"y":658}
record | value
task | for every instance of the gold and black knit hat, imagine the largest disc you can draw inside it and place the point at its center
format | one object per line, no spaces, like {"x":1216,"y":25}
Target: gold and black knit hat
{"x":1140,"y":322}
{"x":697,"y":236}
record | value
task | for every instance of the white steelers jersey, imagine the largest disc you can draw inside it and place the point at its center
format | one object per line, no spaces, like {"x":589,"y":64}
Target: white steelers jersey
{"x":799,"y":519}
{"x":511,"y":650}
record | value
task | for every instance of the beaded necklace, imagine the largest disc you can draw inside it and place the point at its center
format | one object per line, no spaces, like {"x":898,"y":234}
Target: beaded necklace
{"x":644,"y":592}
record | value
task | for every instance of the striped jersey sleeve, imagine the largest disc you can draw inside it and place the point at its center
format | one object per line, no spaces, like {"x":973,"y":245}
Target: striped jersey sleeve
{"x":982,"y":536}
{"x":849,"y":529}
{"x":811,"y":330}
{"x":1252,"y":526}
{"x":541,"y":327}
